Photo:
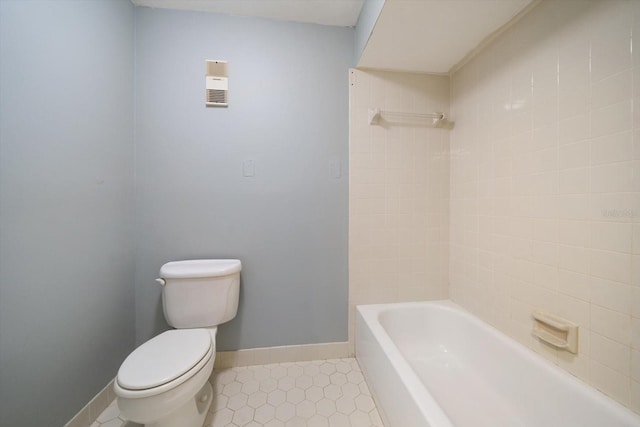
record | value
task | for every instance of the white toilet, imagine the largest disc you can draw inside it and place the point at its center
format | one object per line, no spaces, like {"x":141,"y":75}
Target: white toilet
{"x":164,"y":382}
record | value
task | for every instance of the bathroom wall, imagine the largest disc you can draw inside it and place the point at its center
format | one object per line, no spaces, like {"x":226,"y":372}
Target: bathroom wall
{"x":545,"y":185}
{"x":398,"y":191}
{"x":288,"y":113}
{"x":66,"y":204}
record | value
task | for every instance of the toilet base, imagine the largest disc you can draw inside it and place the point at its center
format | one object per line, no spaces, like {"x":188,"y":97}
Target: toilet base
{"x":192,"y":413}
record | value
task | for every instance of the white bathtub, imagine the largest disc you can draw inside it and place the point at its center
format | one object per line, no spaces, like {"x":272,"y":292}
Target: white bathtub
{"x":434,"y":364}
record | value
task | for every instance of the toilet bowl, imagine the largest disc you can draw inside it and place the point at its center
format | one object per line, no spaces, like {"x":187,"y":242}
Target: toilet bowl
{"x":164,"y":382}
{"x":157,"y":383}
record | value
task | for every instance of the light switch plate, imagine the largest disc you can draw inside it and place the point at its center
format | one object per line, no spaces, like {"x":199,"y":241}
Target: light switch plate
{"x":248,"y":168}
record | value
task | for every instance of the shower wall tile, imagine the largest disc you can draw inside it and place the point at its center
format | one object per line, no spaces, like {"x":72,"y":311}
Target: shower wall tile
{"x":610,"y":353}
{"x":617,"y":147}
{"x":610,"y":382}
{"x":545,"y":185}
{"x":399,"y":191}
{"x":612,"y":295}
{"x":635,"y":396}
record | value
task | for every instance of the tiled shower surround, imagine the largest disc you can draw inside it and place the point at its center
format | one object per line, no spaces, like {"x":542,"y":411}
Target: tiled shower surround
{"x":531,"y":201}
{"x":545,"y":185}
{"x":398,"y":191}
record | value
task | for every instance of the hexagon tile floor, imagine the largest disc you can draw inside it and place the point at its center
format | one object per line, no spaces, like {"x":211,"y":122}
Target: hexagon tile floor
{"x":319,"y":393}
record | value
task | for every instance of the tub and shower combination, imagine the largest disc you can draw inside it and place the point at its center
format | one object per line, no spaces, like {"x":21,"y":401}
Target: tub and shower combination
{"x":432,"y":364}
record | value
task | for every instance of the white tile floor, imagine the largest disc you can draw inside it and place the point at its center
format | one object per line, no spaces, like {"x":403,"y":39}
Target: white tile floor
{"x":329,"y":393}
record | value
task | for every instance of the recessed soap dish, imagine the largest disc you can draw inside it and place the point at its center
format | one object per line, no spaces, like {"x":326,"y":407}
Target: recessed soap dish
{"x":556,"y":331}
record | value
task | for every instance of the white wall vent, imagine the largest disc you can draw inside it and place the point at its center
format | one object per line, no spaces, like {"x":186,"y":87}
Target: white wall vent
{"x":217,"y":84}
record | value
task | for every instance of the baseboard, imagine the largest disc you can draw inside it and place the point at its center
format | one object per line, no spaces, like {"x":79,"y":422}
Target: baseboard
{"x":288,"y":353}
{"x":92,"y":410}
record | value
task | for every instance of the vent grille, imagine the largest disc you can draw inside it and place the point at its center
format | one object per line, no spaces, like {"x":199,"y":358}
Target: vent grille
{"x":216,"y":96}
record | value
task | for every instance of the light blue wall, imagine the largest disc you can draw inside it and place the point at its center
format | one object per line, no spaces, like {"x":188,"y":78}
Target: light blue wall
{"x":66,"y":201}
{"x":288,"y":224}
{"x":366,"y":22}
{"x":73,"y":240}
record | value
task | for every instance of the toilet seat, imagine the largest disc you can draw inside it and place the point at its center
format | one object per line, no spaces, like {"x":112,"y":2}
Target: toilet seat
{"x":164,"y":362}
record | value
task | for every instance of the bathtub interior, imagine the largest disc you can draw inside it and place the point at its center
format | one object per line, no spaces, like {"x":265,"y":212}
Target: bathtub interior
{"x":480,"y":377}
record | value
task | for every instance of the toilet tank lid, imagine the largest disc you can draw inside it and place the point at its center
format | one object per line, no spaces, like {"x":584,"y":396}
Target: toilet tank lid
{"x":196,"y":268}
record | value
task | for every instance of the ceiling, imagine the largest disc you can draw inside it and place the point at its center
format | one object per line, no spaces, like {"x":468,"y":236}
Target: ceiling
{"x":427,"y":36}
{"x":432,"y":36}
{"x":341,"y":13}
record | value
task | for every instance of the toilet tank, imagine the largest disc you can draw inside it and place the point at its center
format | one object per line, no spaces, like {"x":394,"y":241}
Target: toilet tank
{"x":200,"y":293}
